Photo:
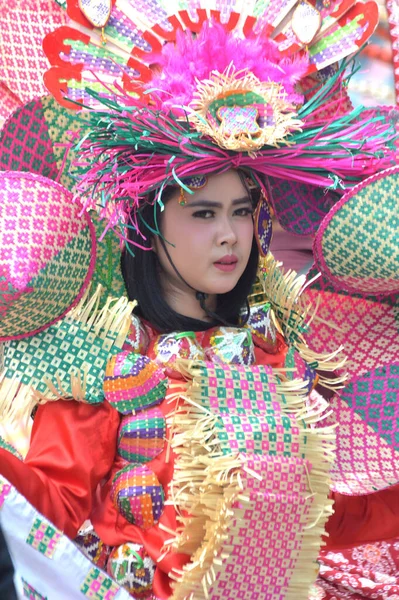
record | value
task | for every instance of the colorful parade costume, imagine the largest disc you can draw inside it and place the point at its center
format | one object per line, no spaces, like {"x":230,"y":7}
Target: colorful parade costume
{"x":200,"y":458}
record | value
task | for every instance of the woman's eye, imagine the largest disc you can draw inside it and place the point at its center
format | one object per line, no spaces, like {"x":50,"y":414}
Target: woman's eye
{"x":243,"y":212}
{"x":204,"y":214}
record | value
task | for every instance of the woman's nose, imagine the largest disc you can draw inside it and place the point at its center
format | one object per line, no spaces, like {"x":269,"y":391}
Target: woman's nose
{"x":227,"y":233}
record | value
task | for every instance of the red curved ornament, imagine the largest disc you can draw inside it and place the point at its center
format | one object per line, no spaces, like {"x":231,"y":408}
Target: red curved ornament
{"x":55,"y":81}
{"x":194,"y":26}
{"x":231,"y":23}
{"x":169,"y":36}
{"x":54,"y":45}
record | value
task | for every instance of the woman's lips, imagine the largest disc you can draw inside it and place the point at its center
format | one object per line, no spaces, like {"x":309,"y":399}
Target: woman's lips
{"x":227,"y":263}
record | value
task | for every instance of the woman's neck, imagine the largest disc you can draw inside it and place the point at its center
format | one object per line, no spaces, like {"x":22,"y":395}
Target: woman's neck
{"x":186,"y":303}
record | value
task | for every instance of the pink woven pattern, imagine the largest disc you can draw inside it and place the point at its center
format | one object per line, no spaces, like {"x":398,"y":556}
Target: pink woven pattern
{"x":365,"y":461}
{"x":266,"y":535}
{"x":366,"y":326}
{"x":8,"y":103}
{"x":38,"y":220}
{"x":23,"y":25}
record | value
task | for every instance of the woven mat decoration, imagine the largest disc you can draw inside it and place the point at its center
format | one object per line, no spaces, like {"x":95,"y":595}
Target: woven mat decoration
{"x":242,"y":437}
{"x":67,"y":360}
{"x":8,"y":103}
{"x":36,"y":138}
{"x":368,"y":327}
{"x":47,"y":253}
{"x":299,"y":207}
{"x":23,"y":25}
{"x":357,"y":245}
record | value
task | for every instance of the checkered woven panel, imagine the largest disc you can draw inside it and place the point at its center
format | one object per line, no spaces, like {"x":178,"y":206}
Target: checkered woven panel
{"x":43,"y":537}
{"x":238,"y":413}
{"x":235,"y":389}
{"x":23,"y":25}
{"x":8,"y":103}
{"x":367,"y":411}
{"x":98,"y":586}
{"x":25,"y":144}
{"x":299,"y":207}
{"x":62,"y":349}
{"x":30,"y":592}
{"x":368,"y":328}
{"x":357,"y":246}
{"x":264,"y":540}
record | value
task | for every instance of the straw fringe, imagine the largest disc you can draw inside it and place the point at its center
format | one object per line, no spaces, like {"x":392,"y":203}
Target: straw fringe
{"x":207,"y":484}
{"x":17,"y":400}
{"x":292,"y":318}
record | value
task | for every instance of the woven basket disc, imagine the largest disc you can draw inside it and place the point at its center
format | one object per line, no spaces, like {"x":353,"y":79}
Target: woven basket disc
{"x":47,"y":253}
{"x":357,"y":245}
{"x":368,"y":329}
{"x":37,"y":138}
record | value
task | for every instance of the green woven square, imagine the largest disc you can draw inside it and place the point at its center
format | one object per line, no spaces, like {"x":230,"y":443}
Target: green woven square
{"x":66,"y":348}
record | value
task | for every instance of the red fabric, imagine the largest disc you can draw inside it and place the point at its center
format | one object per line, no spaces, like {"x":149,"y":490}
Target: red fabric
{"x":365,"y":571}
{"x":72,"y":449}
{"x":362,"y":519}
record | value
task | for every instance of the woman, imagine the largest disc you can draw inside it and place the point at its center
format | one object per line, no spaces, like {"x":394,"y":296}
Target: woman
{"x":223,"y":490}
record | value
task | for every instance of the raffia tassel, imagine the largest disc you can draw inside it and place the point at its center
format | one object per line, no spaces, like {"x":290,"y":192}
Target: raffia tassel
{"x":16,"y":401}
{"x":291,"y":316}
{"x":113,"y":318}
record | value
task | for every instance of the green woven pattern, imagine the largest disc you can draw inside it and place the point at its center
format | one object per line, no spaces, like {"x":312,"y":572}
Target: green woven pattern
{"x":98,"y":586}
{"x":30,"y":592}
{"x":249,"y":410}
{"x":63,"y":349}
{"x":375,"y":397}
{"x":228,"y":388}
{"x":360,"y":245}
{"x":53,"y":289}
{"x":43,"y":537}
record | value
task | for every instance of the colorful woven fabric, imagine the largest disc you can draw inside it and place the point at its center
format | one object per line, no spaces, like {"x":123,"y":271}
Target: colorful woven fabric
{"x":264,"y":539}
{"x":92,"y":547}
{"x":43,"y":537}
{"x":299,"y":207}
{"x":23,"y":25}
{"x":138,"y":495}
{"x":133,"y":382}
{"x":98,"y":586}
{"x":243,"y":472}
{"x":142,"y":437}
{"x":368,"y":439}
{"x":66,"y":348}
{"x":357,"y":245}
{"x":37,"y":283}
{"x":132,"y":568}
{"x":30,"y":592}
{"x":367,"y":458}
{"x":37,"y":138}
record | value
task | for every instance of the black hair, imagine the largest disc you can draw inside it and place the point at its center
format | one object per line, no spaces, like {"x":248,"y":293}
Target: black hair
{"x":141,"y":274}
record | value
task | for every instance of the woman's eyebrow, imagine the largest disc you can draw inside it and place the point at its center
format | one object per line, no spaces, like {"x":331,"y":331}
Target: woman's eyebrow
{"x":212,"y":204}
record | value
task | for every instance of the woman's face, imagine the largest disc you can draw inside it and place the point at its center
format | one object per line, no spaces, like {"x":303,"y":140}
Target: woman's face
{"x":209,"y":239}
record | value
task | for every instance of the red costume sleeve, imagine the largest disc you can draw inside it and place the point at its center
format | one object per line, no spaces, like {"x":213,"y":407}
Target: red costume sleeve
{"x":72,"y":449}
{"x":362,"y":519}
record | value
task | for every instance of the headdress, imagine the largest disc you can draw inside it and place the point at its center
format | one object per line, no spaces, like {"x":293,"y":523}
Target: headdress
{"x":184,"y":90}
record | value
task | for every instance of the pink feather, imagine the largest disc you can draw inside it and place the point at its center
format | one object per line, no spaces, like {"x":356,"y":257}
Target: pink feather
{"x":214,"y":49}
